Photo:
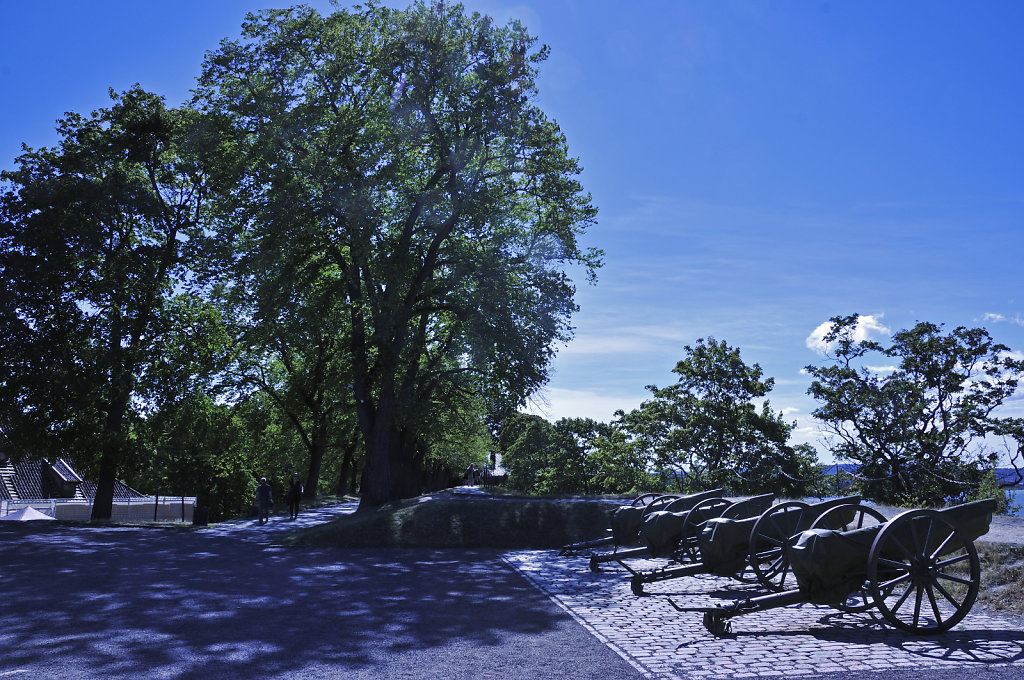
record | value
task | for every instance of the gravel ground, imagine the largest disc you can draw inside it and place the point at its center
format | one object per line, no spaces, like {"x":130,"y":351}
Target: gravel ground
{"x":1004,"y":528}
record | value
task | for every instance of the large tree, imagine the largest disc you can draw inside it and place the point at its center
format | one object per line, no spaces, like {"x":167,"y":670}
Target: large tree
{"x":96,"y":238}
{"x":920,"y":415}
{"x":401,"y":153}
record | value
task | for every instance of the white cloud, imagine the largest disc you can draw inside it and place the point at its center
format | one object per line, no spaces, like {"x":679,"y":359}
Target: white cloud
{"x":626,"y":340}
{"x":994,"y":318}
{"x":555,"y":403}
{"x":868,"y":327}
{"x":881,"y":369}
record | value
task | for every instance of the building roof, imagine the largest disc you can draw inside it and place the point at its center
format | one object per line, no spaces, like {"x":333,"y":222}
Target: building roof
{"x":122,"y":492}
{"x":24,"y":481}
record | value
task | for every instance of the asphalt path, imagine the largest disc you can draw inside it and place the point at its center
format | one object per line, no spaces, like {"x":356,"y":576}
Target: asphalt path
{"x":226,"y":602}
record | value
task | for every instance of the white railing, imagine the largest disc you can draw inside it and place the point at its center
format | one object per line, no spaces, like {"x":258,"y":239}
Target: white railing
{"x":147,"y":508}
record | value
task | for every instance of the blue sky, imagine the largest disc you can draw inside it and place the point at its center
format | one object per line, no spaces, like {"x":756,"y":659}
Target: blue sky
{"x":759,"y":166}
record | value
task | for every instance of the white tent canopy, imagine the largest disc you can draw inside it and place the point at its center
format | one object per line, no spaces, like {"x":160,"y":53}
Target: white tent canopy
{"x":25,"y":515}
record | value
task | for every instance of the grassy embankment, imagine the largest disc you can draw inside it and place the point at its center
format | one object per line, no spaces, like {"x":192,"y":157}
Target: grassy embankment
{"x":510,"y":522}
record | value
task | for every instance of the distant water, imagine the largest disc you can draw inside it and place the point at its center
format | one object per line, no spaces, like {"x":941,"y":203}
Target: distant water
{"x":1018,"y":499}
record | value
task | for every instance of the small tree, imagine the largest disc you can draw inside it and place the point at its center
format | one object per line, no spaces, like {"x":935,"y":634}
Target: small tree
{"x":920,"y":430}
{"x":706,"y":431}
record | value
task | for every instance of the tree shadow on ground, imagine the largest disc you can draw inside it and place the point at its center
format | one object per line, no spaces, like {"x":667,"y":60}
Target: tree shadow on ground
{"x":135,"y":602}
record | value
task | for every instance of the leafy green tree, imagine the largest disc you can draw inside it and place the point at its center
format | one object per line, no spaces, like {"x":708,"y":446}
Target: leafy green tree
{"x":526,"y":443}
{"x":922,"y":430}
{"x":572,"y":455}
{"x":617,"y":465}
{"x":97,"y":236}
{"x":402,"y":151}
{"x":705,"y":430}
{"x":289,"y":342}
{"x":193,"y":446}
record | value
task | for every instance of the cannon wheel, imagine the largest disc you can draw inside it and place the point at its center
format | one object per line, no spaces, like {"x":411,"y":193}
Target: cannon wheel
{"x":658,"y":503}
{"x":767,"y":553}
{"x":915,"y":587}
{"x":688,"y":544}
{"x":863,"y":516}
{"x":645,"y":499}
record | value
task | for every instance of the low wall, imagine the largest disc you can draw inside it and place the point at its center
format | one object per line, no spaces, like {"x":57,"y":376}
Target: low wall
{"x":145,"y":509}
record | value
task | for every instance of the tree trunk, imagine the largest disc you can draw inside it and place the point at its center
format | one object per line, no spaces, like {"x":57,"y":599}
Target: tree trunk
{"x":316,"y":458}
{"x":376,"y":486}
{"x":103,"y":503}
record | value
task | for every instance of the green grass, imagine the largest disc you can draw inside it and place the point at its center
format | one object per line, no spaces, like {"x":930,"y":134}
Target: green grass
{"x":445,"y":521}
{"x":1002,"y":577}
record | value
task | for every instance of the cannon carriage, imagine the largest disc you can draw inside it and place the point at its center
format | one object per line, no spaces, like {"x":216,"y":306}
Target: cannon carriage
{"x":751,"y":550}
{"x":919,"y":569}
{"x":674,"y":530}
{"x":626,"y":520}
{"x":619,"y":529}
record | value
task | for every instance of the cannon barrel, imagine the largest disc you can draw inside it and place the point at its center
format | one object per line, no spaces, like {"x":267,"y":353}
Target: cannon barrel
{"x":831,"y":565}
{"x":626,"y":519}
{"x":725,"y":545}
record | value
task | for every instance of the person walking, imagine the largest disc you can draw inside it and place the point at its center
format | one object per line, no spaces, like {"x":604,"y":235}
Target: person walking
{"x":264,"y":499}
{"x":294,"y":495}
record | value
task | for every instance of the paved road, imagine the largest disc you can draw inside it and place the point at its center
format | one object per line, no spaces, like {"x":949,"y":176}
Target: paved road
{"x":224,"y":602}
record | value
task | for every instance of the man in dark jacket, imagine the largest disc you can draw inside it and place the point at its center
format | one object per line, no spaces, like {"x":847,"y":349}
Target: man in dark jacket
{"x":264,"y":499}
{"x":294,"y":495}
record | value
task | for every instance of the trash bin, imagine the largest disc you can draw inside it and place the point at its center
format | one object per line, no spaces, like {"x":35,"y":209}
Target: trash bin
{"x":200,"y":516}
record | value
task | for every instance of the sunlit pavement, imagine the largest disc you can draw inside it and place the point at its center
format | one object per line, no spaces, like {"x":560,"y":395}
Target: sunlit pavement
{"x":280,"y":524}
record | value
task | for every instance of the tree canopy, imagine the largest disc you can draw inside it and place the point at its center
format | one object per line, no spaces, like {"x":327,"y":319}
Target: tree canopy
{"x":97,"y":241}
{"x":396,"y":159}
{"x":706,"y":430}
{"x":923,"y":430}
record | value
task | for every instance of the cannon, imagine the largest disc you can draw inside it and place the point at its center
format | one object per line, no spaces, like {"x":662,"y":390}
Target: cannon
{"x":750,"y":550}
{"x":674,"y":530}
{"x":919,"y":569}
{"x":627,"y":520}
{"x":641,"y":502}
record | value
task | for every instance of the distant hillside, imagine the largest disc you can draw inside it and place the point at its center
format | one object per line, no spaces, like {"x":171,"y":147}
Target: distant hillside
{"x":1004,"y":475}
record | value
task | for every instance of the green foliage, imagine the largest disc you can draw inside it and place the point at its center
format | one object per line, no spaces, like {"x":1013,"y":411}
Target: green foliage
{"x":922,"y":431}
{"x":395,"y":161}
{"x":573,"y":455}
{"x":705,"y":430}
{"x":99,"y":237}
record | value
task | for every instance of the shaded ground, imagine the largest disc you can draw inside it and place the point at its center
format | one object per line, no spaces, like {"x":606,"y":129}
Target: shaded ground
{"x":81,"y":602}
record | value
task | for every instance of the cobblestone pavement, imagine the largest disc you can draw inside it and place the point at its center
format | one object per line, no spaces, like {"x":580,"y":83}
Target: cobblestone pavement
{"x":804,"y":640}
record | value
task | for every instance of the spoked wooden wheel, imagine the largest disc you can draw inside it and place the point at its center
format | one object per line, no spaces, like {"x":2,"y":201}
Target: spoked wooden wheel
{"x":658,"y":503}
{"x":695,"y":520}
{"x":645,"y":499}
{"x":767,"y":553}
{"x":850,"y":518}
{"x":923,"y":574}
